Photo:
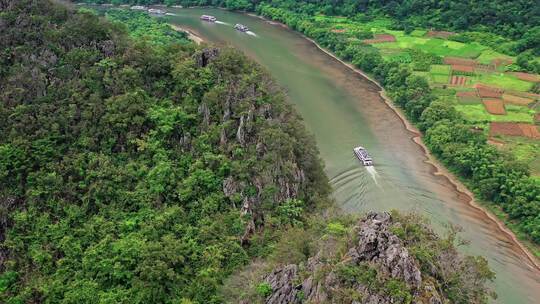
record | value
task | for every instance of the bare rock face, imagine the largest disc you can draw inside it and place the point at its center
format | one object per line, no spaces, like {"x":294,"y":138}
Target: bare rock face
{"x":230,"y":187}
{"x":107,"y":47}
{"x":205,"y":112}
{"x":240,"y":133}
{"x":206,"y":56}
{"x":376,"y":246}
{"x":281,"y":281}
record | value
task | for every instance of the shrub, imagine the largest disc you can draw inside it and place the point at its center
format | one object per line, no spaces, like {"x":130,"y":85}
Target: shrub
{"x":264,"y":289}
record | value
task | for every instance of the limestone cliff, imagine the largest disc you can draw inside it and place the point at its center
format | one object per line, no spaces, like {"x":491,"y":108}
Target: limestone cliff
{"x":387,"y":260}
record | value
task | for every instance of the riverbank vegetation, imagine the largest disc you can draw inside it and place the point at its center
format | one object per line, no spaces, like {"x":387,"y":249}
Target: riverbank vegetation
{"x":462,"y":75}
{"x":138,"y":170}
{"x":459,"y":143}
{"x":145,"y":169}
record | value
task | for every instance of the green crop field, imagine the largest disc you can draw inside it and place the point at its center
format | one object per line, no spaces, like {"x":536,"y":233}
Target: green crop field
{"x":477,"y":113}
{"x":440,"y":69}
{"x":405,"y":50}
{"x":438,"y":78}
{"x":434,"y":46}
{"x":505,"y":81}
{"x":488,"y":55}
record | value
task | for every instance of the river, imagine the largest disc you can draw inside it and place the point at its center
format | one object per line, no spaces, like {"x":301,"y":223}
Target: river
{"x":344,"y":110}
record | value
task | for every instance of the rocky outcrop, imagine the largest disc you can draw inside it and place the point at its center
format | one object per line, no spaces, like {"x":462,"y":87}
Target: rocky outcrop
{"x":205,"y":112}
{"x":377,"y":247}
{"x":204,"y":57}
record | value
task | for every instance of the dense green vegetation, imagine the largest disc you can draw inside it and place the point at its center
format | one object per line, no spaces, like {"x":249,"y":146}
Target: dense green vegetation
{"x":511,"y":27}
{"x":137,"y":171}
{"x":493,"y":175}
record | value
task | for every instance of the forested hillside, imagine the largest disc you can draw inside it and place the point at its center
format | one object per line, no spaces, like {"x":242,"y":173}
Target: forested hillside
{"x":145,"y":169}
{"x":137,"y":171}
{"x":493,"y":175}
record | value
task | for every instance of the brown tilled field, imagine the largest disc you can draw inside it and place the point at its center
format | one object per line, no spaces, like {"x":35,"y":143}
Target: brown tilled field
{"x":514,"y":129}
{"x":467,"y":94}
{"x":380,"y":38}
{"x":485,"y":91}
{"x":462,"y":68}
{"x":440,"y":34}
{"x":527,"y":76}
{"x":458,"y":80}
{"x":517,"y":100}
{"x":459,"y":61}
{"x":494,"y":106}
{"x":530,"y":131}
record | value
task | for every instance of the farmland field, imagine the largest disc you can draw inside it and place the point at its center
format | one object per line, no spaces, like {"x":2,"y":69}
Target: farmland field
{"x":478,"y":113}
{"x":494,"y":106}
{"x":487,"y":56}
{"x":472,"y":77}
{"x":505,"y":81}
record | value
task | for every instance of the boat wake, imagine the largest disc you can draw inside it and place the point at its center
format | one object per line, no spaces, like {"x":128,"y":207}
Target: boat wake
{"x":221,"y":22}
{"x":251,"y":33}
{"x":374,"y":174}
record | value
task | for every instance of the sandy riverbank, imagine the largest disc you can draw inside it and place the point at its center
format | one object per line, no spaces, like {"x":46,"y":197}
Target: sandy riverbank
{"x":192,"y":36}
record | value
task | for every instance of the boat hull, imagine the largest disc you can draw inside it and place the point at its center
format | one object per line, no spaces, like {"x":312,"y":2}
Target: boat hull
{"x":363,"y":156}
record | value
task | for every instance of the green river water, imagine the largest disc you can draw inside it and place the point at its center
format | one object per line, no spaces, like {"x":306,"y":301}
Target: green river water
{"x":344,"y":110}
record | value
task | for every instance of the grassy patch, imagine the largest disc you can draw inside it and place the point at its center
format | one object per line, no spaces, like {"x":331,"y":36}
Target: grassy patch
{"x":418,"y":33}
{"x":440,"y":69}
{"x":470,"y":101}
{"x":439,"y":73}
{"x":396,"y":55}
{"x":505,"y":81}
{"x":477,"y":113}
{"x":434,"y":46}
{"x":488,"y":55}
{"x":438,"y":78}
{"x":524,"y":149}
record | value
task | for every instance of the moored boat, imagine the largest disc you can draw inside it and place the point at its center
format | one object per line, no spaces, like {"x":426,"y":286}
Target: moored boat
{"x":363,"y":156}
{"x":241,"y":27}
{"x":138,"y":8}
{"x":208,"y":18}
